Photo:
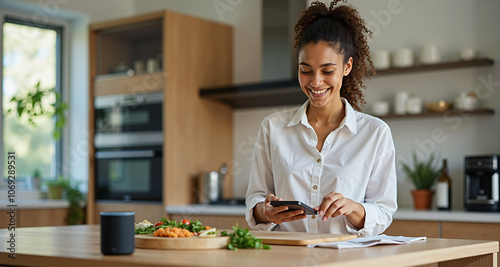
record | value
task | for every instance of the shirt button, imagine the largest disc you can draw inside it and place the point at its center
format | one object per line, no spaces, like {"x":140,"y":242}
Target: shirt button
{"x":315,"y":187}
{"x":314,"y":216}
{"x":318,"y":160}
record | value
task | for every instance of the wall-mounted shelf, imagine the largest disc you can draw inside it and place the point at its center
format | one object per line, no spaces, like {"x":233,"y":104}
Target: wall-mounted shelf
{"x":288,"y":92}
{"x":440,"y":66}
{"x":448,"y":113}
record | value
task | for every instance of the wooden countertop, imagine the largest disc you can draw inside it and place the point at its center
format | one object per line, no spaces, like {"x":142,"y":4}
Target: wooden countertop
{"x":77,"y":246}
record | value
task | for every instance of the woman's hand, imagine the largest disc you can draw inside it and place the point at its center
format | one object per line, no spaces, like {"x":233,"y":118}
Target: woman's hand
{"x":335,"y":204}
{"x":264,"y":212}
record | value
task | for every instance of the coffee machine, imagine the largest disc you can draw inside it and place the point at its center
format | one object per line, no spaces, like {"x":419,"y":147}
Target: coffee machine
{"x":482,"y":186}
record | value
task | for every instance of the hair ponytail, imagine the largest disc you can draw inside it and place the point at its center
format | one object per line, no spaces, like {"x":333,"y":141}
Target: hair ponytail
{"x":343,"y":28}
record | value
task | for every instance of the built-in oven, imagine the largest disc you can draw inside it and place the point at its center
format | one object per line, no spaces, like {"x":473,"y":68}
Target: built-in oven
{"x":129,"y":174}
{"x":128,"y":142}
{"x":128,"y":120}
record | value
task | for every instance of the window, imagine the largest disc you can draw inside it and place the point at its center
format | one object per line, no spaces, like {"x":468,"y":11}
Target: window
{"x":31,"y":54}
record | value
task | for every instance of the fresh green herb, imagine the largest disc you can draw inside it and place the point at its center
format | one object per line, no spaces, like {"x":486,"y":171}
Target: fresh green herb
{"x":242,"y":238}
{"x":148,"y":230}
{"x":194,"y":226}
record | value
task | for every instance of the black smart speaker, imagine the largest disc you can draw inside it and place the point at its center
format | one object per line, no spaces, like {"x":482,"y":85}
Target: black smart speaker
{"x":117,"y":232}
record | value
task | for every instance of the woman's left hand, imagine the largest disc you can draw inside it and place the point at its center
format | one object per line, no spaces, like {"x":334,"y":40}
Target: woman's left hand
{"x":335,"y":204}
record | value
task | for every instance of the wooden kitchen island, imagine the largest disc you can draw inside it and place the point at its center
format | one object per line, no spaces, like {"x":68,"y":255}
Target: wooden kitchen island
{"x":79,"y":246}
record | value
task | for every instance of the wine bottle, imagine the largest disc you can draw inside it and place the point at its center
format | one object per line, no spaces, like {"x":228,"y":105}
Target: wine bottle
{"x":443,"y":189}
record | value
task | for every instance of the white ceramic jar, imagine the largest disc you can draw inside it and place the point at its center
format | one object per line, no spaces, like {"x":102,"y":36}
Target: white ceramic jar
{"x":381,"y":59}
{"x":465,"y":102}
{"x":401,"y":102}
{"x":402,"y":58}
{"x":430,"y":54}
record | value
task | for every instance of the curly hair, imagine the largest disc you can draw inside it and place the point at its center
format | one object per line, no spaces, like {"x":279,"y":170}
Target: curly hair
{"x":346,"y":32}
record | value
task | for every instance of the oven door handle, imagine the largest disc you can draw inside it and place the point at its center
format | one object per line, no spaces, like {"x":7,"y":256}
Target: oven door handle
{"x":125,"y":154}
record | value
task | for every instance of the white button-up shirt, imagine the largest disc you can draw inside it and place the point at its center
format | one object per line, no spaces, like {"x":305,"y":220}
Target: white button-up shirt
{"x":357,"y":160}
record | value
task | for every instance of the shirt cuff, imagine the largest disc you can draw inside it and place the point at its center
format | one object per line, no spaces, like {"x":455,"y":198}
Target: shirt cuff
{"x":253,"y":224}
{"x":371,"y":226}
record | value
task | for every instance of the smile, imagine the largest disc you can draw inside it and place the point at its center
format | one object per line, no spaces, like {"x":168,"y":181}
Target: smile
{"x":318,"y":92}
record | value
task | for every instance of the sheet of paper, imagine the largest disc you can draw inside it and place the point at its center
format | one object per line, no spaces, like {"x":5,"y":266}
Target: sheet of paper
{"x":369,"y":241}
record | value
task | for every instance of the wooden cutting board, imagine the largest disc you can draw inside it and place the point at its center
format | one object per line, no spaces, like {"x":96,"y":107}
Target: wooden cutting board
{"x":195,"y":242}
{"x":298,"y":238}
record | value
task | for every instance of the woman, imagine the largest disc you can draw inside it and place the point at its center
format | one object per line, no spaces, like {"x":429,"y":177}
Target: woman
{"x":326,"y":154}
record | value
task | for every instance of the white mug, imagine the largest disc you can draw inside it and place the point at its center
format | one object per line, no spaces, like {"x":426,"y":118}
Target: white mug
{"x":401,"y":102}
{"x":402,"y":58}
{"x":381,"y":59}
{"x":430,"y":54}
{"x":380,"y":108}
{"x":467,"y":54}
{"x":414,"y":105}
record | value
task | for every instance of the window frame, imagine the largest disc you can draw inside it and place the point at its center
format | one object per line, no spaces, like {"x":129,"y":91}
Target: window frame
{"x":41,"y":20}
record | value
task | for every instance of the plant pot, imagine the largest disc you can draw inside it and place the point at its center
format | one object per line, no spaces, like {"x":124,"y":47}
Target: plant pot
{"x":422,"y":199}
{"x":54,"y":192}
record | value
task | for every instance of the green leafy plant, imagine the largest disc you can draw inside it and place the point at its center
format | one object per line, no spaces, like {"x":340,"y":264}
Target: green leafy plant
{"x":37,"y":177}
{"x":37,"y":173}
{"x":74,"y":196}
{"x":60,"y":181}
{"x":56,"y":187}
{"x":33,"y":104}
{"x":422,"y":174}
{"x":242,"y":238}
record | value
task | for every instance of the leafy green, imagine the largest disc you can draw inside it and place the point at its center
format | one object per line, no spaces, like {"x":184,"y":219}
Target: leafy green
{"x":242,"y":238}
{"x":194,"y":226}
{"x":423,"y":175}
{"x":33,"y":104}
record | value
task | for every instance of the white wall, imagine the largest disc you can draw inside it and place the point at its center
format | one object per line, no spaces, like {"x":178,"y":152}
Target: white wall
{"x":451,"y":24}
{"x":243,"y":15}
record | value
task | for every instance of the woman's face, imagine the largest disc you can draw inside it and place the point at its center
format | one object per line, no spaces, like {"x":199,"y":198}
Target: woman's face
{"x":321,"y":70}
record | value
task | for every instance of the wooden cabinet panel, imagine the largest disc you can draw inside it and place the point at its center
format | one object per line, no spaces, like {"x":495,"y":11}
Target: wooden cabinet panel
{"x":413,"y":228}
{"x":35,"y":217}
{"x":217,"y":221}
{"x":478,"y":231}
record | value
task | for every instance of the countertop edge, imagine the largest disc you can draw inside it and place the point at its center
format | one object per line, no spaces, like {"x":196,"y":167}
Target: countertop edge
{"x":401,"y":214}
{"x":447,"y":216}
{"x":200,"y":209}
{"x":34,"y":204}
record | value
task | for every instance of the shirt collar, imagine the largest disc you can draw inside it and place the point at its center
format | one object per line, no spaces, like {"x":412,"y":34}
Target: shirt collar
{"x":349,"y":119}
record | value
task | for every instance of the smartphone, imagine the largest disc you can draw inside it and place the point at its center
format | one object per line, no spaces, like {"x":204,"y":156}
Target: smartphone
{"x":295,"y":205}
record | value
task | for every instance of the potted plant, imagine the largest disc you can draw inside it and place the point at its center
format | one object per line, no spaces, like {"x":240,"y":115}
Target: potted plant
{"x":36,"y":178}
{"x":63,"y":186}
{"x":75,"y":197}
{"x":55,"y":187}
{"x":423,"y":175}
